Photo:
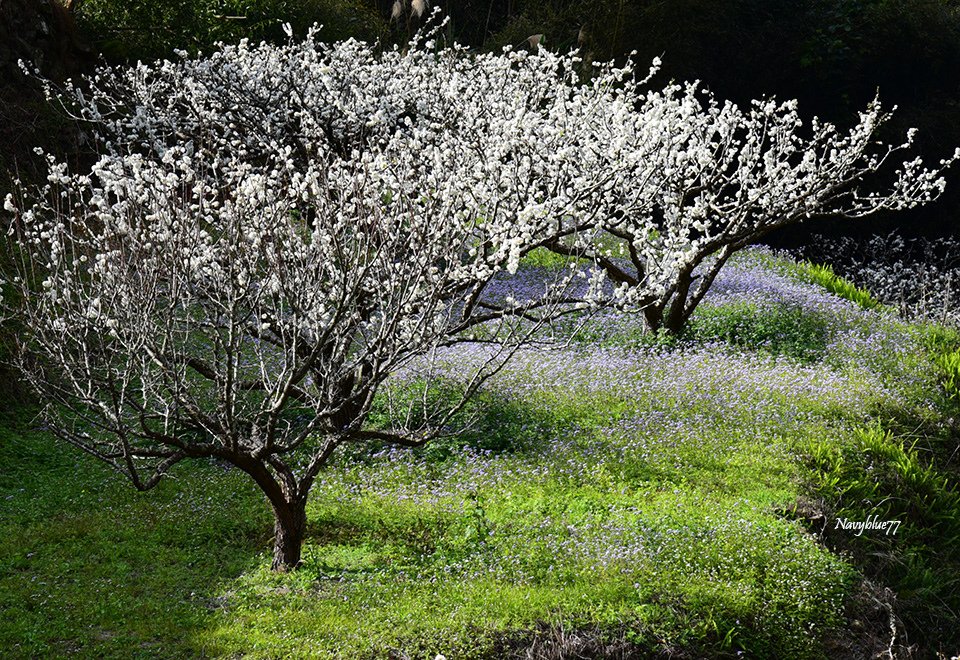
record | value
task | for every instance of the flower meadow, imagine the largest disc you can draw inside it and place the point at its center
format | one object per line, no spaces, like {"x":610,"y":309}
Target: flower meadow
{"x":618,"y":492}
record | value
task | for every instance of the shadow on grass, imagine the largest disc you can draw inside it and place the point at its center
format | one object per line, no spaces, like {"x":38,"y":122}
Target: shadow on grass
{"x":489,"y":422}
{"x":90,"y":566}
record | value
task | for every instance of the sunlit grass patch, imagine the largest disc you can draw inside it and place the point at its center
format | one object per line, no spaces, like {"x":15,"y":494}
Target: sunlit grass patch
{"x":823,"y":275}
{"x":543,"y":258}
{"x":676,"y":567}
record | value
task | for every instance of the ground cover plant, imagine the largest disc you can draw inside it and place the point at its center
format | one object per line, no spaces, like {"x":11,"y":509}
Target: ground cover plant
{"x":615,"y":496}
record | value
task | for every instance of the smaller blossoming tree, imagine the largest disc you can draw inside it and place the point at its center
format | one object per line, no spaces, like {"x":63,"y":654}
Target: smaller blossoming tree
{"x":727,"y":177}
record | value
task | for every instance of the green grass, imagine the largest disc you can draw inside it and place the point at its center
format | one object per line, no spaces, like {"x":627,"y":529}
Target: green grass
{"x":650,"y":502}
{"x":543,"y":258}
{"x":91,"y":566}
{"x":949,"y":365}
{"x":781,"y":330}
{"x":823,"y":275}
{"x":883,"y":477}
{"x":87,"y":565}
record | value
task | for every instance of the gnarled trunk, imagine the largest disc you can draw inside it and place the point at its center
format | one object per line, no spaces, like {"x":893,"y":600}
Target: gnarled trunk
{"x":289,"y":511}
{"x":290,"y":524}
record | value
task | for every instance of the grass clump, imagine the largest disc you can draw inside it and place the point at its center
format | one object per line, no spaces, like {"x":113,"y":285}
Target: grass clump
{"x":948,"y":363}
{"x":488,"y":422}
{"x":879,"y":475}
{"x":541,"y":257}
{"x":881,"y":478}
{"x":823,"y":275}
{"x":778,"y":329}
{"x":942,"y":345}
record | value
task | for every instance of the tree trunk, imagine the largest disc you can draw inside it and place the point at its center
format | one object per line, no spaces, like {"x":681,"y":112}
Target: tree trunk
{"x":675,"y":320}
{"x":289,"y":527}
{"x":653,"y":316}
{"x":289,"y":510}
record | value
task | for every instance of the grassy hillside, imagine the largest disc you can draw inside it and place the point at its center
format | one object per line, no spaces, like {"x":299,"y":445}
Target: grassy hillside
{"x":620,"y":496}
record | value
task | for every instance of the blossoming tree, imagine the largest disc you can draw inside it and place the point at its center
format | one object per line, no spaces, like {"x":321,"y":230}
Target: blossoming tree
{"x":272,"y":232}
{"x":728,"y":177}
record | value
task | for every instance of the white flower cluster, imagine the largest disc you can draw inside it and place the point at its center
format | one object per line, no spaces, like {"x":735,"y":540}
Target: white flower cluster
{"x":666,"y":180}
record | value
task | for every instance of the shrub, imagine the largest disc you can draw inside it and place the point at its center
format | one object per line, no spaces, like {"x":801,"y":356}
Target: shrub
{"x":779,"y":329}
